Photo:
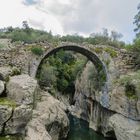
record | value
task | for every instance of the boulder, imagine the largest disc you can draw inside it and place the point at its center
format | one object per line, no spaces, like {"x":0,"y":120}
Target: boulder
{"x":20,"y":117}
{"x":5,"y":115}
{"x":5,"y":72}
{"x":124,"y":128}
{"x":37,"y":131}
{"x":124,"y":105}
{"x":49,"y":120}
{"x":22,"y":89}
{"x":2,"y":87}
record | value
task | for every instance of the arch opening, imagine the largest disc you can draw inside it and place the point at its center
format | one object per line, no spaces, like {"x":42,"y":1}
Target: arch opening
{"x":99,"y":65}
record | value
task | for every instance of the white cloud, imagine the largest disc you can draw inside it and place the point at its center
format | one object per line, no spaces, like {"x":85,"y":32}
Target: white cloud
{"x":71,"y":16}
{"x":13,"y":13}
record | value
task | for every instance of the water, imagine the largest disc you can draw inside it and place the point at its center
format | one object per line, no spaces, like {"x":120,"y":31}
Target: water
{"x":79,"y":130}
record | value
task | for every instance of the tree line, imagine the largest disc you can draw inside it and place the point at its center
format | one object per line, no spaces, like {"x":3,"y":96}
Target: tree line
{"x":26,"y":34}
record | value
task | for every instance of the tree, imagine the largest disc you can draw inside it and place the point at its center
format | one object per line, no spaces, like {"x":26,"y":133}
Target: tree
{"x":26,"y":27}
{"x":10,"y":29}
{"x":25,"y":24}
{"x":137,"y":22}
{"x":105,"y":32}
{"x":116,"y":36}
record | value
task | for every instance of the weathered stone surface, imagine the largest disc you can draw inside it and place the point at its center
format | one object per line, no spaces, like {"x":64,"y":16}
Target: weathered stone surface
{"x":21,"y":115}
{"x":22,"y":89}
{"x":5,"y":114}
{"x":37,"y":131}
{"x":49,"y":115}
{"x":5,"y":72}
{"x":99,"y":119}
{"x":21,"y":92}
{"x":92,"y":111}
{"x":125,"y":129}
{"x":6,"y":43}
{"x":120,"y":103}
{"x":1,"y":87}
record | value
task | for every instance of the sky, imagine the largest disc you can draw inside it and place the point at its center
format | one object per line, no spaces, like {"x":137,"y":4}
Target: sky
{"x":71,"y":16}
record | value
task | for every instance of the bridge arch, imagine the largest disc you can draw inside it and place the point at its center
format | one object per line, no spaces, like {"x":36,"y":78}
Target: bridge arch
{"x":99,"y":65}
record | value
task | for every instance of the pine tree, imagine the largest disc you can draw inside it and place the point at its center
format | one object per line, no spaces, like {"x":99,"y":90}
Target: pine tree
{"x":137,"y":22}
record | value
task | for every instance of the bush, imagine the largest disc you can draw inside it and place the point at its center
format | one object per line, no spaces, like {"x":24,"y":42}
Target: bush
{"x":2,"y":46}
{"x":135,"y":49}
{"x":47,"y":76}
{"x":93,"y":77}
{"x":131,"y":84}
{"x":98,"y":50}
{"x":130,"y":91}
{"x":111,"y":51}
{"x":37,"y":50}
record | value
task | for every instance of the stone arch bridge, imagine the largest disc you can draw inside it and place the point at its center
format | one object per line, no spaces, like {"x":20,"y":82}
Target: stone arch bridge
{"x":99,"y":65}
{"x":108,"y":61}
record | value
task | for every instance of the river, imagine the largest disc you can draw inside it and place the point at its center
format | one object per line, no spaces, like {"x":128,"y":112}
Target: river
{"x":79,"y":130}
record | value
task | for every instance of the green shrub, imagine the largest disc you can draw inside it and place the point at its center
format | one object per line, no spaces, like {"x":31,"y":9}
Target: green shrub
{"x":62,"y":84}
{"x":130,"y":91}
{"x":98,"y":50}
{"x":2,"y":46}
{"x":15,"y":71}
{"x":107,"y":62}
{"x":93,"y":77}
{"x":47,"y":76}
{"x":37,"y":50}
{"x":131,"y":88}
{"x":111,"y":51}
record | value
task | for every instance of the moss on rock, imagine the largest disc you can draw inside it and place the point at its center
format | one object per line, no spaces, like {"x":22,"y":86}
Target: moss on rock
{"x":8,"y":102}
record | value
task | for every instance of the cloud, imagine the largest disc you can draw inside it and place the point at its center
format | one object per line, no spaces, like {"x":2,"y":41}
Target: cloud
{"x":13,"y":13}
{"x":87,"y":16}
{"x":30,"y":2}
{"x":71,"y":16}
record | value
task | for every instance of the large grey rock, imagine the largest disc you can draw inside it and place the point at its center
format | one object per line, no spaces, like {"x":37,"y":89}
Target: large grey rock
{"x":120,"y":103}
{"x":1,"y":87}
{"x":49,"y":115}
{"x":37,"y":131}
{"x":22,"y":89}
{"x":20,"y":117}
{"x":125,"y":129}
{"x":5,"y":114}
